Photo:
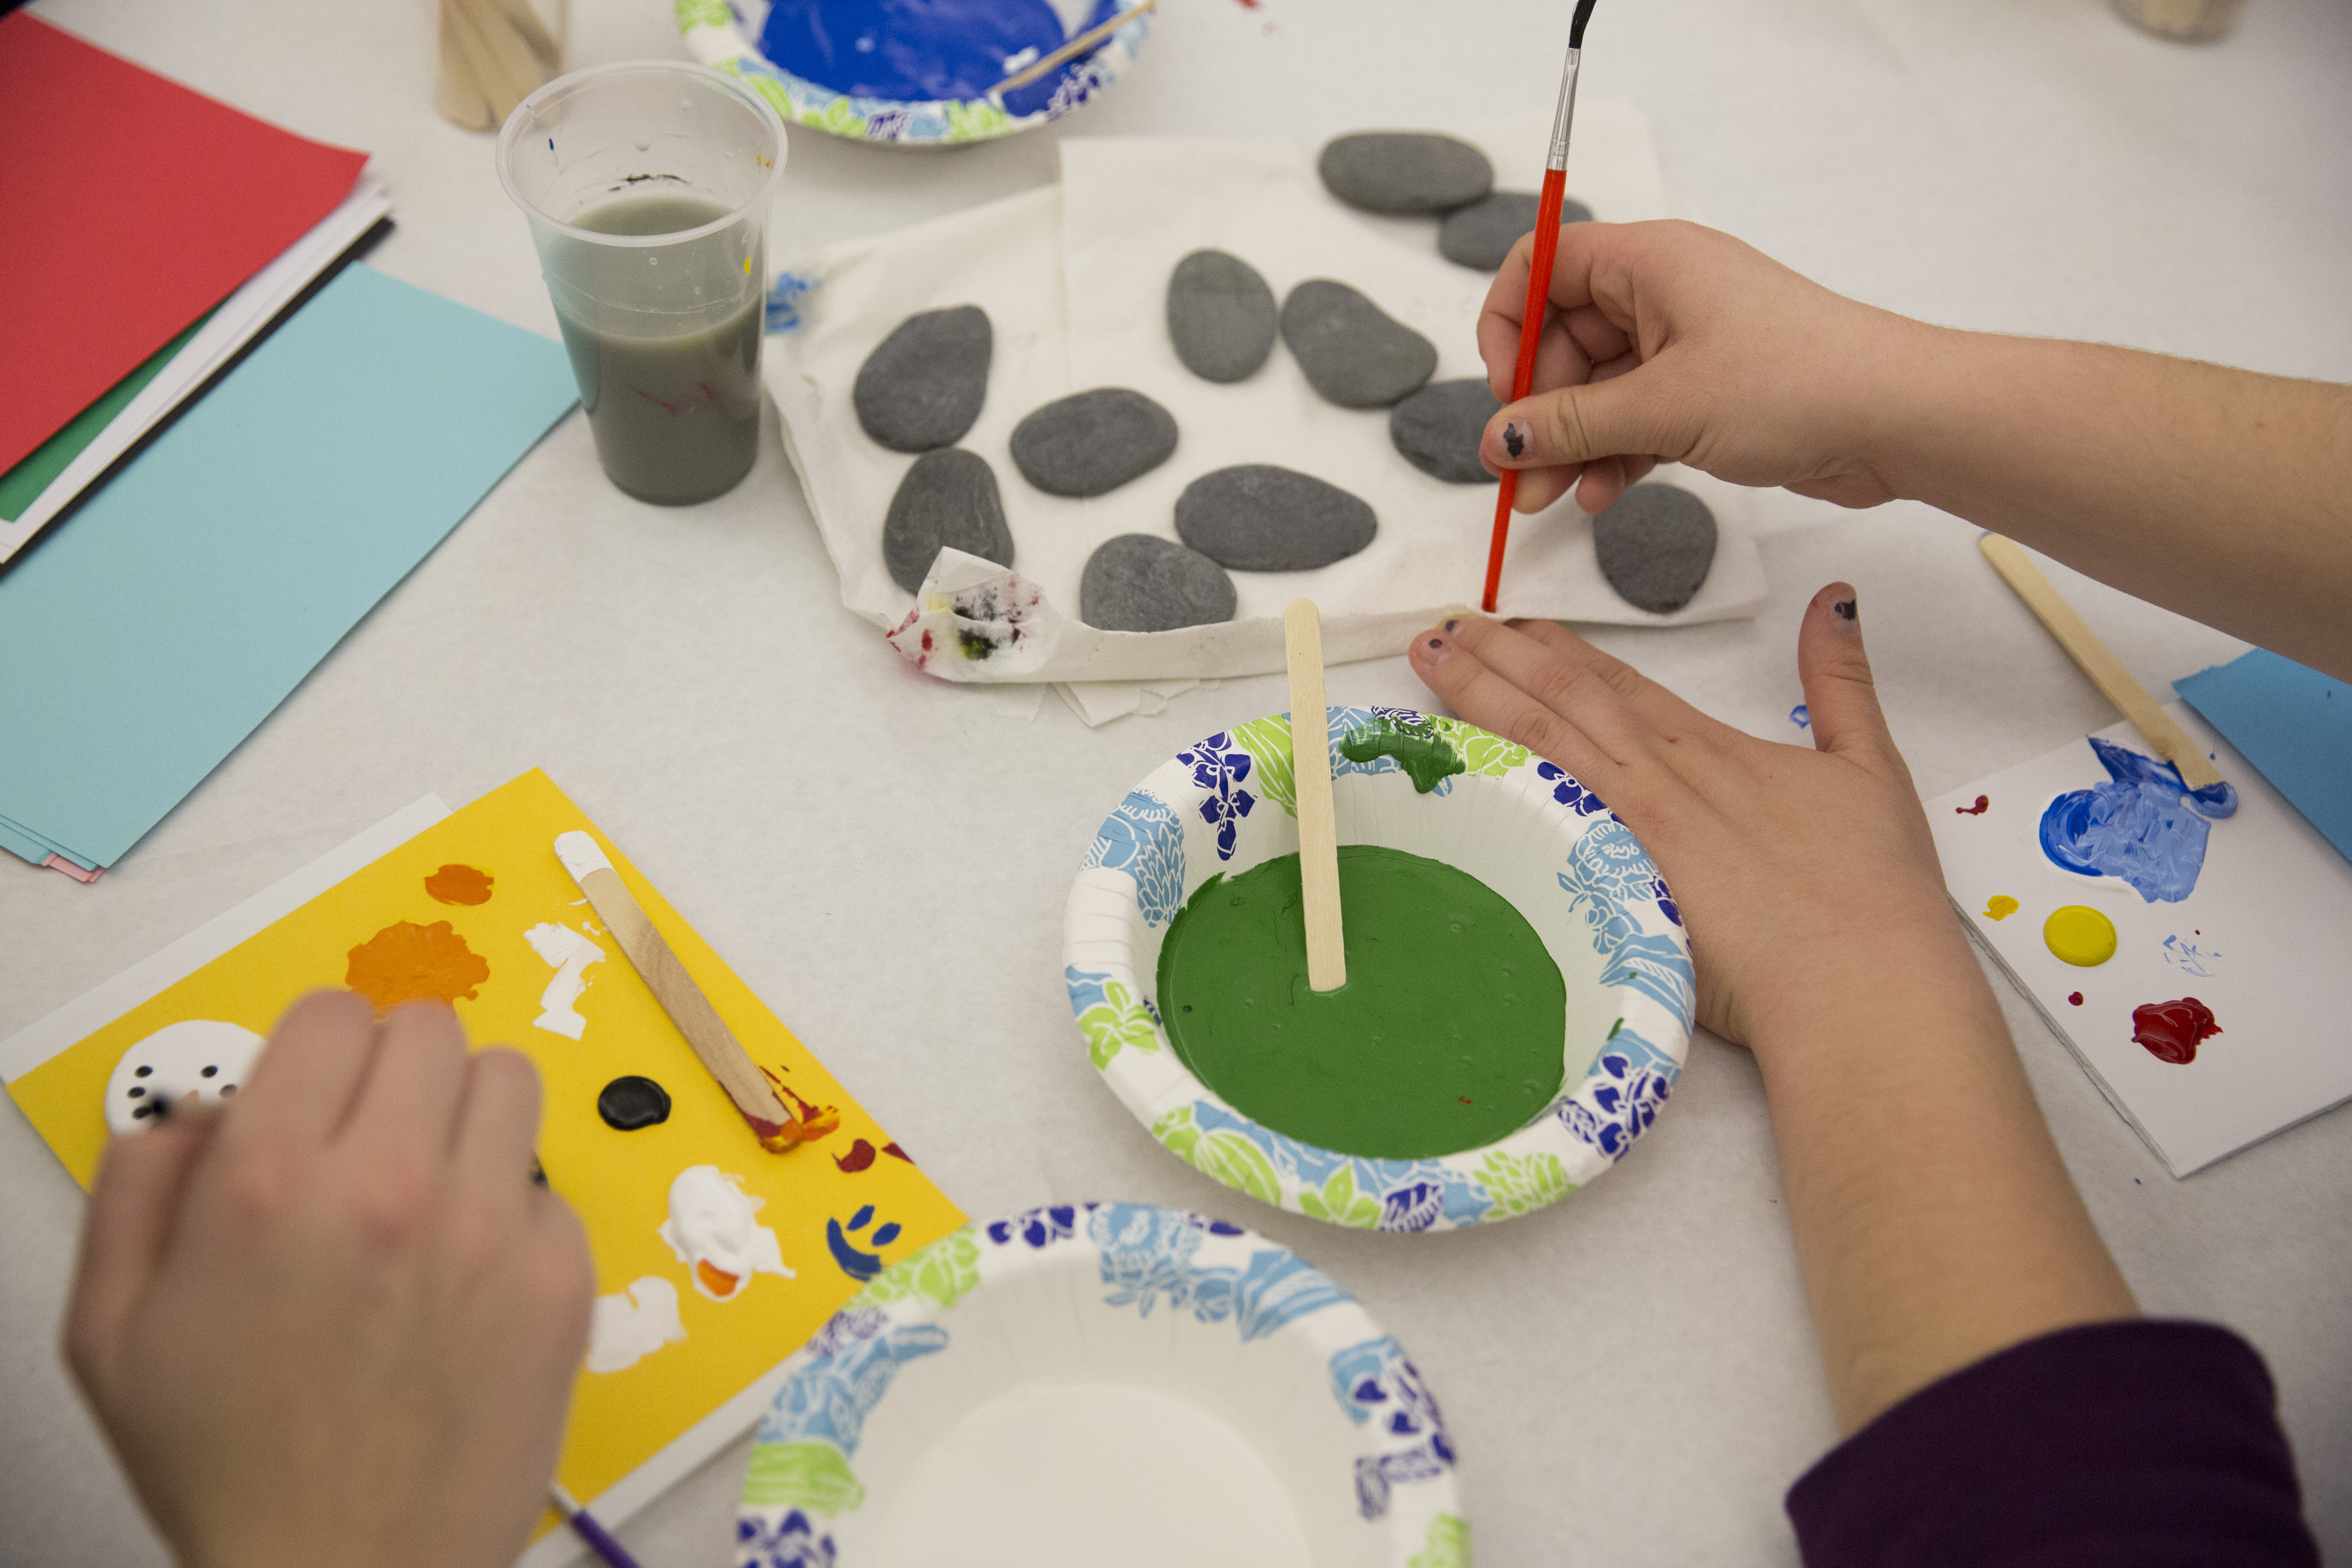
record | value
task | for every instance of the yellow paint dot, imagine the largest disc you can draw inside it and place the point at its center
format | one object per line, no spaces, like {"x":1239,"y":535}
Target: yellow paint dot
{"x":2080,"y":935}
{"x":2001,"y":907}
{"x":747,"y":267}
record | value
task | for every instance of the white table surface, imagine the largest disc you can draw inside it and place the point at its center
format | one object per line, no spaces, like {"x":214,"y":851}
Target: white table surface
{"x":1631,"y":1375}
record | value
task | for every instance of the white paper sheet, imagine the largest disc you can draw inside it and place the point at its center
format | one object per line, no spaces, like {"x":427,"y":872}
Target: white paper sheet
{"x":1129,"y":207}
{"x":2259,"y":942}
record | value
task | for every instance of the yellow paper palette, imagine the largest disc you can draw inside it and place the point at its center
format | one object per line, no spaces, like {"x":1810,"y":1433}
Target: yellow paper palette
{"x":840,"y":1208}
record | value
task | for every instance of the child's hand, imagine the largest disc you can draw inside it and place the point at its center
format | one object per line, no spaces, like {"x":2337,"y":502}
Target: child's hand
{"x":338,"y":1323}
{"x":1672,"y":342}
{"x":1799,"y":874}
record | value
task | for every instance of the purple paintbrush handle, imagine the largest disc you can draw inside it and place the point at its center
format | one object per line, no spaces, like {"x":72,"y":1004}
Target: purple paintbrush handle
{"x":600,"y":1542}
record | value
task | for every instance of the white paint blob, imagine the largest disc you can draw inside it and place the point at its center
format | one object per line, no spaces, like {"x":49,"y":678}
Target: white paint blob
{"x":622,"y":1332}
{"x":201,"y":1060}
{"x":571,"y":953}
{"x":1142,"y":1478}
{"x":713,"y":1229}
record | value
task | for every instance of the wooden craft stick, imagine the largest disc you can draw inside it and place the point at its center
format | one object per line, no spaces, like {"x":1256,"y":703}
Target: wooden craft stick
{"x":1071,"y":50}
{"x":1318,"y":830}
{"x":675,"y":989}
{"x":2106,"y":670}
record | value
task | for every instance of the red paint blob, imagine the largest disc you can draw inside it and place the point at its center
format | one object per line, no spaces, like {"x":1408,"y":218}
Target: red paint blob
{"x":2172,"y":1030}
{"x":2075,"y":997}
{"x":1976,"y":810}
{"x":896,"y":1152}
{"x":860,"y":1156}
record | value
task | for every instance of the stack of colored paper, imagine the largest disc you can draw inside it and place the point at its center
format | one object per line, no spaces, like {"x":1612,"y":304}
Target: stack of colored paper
{"x":163,"y":622}
{"x":153,"y":235}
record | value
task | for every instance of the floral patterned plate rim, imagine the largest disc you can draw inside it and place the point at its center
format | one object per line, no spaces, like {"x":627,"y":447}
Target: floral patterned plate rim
{"x":723,"y":34}
{"x":1235,"y":1325}
{"x":1431,"y":785}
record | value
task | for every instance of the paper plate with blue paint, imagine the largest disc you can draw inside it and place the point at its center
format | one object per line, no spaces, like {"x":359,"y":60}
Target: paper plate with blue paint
{"x":1522,"y":825}
{"x":912,"y":73}
{"x":1088,"y":1383}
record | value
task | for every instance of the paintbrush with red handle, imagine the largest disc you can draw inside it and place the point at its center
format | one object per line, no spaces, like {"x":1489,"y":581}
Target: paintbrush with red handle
{"x":1555,"y":189}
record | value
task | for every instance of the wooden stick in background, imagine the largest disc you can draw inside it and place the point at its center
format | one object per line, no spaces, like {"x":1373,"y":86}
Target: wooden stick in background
{"x":2168,"y":740}
{"x":1318,"y":830}
{"x":1076,"y":46}
{"x":680,"y":997}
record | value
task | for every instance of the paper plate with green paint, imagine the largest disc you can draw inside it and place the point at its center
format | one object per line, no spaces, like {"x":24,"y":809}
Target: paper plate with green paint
{"x":1090,"y":1383}
{"x":914,"y":76}
{"x":1444,"y":791}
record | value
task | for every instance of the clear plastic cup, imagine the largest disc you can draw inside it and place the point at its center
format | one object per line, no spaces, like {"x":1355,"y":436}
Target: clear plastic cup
{"x":648,"y":186}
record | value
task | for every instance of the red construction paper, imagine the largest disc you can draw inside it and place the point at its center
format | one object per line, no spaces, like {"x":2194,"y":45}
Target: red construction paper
{"x":133,"y":206}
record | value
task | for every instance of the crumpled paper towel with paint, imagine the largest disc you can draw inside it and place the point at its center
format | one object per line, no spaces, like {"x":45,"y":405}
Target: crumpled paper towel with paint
{"x":1074,"y":280}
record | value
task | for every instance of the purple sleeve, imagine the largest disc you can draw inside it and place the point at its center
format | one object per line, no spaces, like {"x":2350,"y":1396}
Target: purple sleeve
{"x":2154,"y":1445}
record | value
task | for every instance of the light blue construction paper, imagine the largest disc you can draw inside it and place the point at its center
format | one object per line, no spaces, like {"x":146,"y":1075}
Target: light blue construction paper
{"x":160,"y":624}
{"x":2294,"y":724}
{"x":20,"y":839}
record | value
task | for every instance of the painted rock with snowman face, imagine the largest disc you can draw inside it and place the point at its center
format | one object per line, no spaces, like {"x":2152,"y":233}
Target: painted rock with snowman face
{"x":201,"y":1060}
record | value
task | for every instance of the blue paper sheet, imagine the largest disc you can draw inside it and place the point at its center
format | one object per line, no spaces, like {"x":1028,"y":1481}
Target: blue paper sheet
{"x":2294,"y":724}
{"x":164,"y":620}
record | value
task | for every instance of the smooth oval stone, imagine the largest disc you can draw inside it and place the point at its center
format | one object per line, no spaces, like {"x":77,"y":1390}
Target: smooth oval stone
{"x":1259,"y":517}
{"x":1482,"y":234}
{"x":1355,"y":354}
{"x":1437,"y":429}
{"x":1404,"y":171}
{"x":1090,"y":443}
{"x":947,"y":499}
{"x":922,"y":387}
{"x":1136,"y":582}
{"x":1220,"y":316}
{"x":1656,"y":546}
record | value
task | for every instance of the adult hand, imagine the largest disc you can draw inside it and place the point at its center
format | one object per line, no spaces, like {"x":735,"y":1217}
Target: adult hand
{"x":1672,"y":342}
{"x":337,"y":1323}
{"x":1799,"y":874}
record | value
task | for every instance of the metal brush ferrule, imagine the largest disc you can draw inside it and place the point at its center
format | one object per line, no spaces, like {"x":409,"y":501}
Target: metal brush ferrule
{"x":1567,"y":115}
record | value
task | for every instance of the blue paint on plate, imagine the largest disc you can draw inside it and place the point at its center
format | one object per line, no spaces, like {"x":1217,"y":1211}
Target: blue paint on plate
{"x":914,"y":50}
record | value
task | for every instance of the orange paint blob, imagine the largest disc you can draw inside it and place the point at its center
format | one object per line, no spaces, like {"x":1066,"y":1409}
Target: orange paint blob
{"x":720,"y":1282}
{"x":460,"y":885}
{"x":406,"y":960}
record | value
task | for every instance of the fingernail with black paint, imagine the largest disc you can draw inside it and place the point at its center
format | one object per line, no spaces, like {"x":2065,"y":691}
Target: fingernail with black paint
{"x":1515,"y":441}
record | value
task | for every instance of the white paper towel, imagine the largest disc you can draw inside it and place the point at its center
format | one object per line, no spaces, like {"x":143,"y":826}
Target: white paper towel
{"x":1136,"y":206}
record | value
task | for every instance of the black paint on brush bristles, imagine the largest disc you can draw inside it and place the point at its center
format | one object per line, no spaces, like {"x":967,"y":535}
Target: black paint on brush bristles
{"x":1576,"y":27}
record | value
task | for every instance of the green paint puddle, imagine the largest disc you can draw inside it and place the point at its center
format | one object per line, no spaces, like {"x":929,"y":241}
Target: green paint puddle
{"x":1447,"y":1037}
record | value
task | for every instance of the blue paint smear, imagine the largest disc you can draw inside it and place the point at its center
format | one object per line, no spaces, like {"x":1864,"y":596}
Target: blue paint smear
{"x":1801,"y":717}
{"x":2140,"y":827}
{"x":859,"y":1265}
{"x":912,"y":51}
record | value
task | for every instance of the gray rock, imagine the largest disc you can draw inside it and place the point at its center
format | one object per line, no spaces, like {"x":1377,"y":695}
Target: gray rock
{"x":922,"y":387}
{"x":1090,"y":443}
{"x":1482,"y":234}
{"x":1355,"y":354}
{"x":1437,"y":429}
{"x":1656,"y":546}
{"x":948,"y":499}
{"x":1136,"y":582}
{"x":1220,"y":316}
{"x":1260,"y":517}
{"x":1404,"y":172}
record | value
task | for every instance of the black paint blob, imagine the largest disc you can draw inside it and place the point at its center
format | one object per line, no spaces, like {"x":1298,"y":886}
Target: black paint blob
{"x":632,"y":1103}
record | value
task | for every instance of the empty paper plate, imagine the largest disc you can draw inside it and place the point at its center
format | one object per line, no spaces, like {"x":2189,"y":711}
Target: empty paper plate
{"x":1441,"y":790}
{"x":1094,"y":1383}
{"x":877,"y":71}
